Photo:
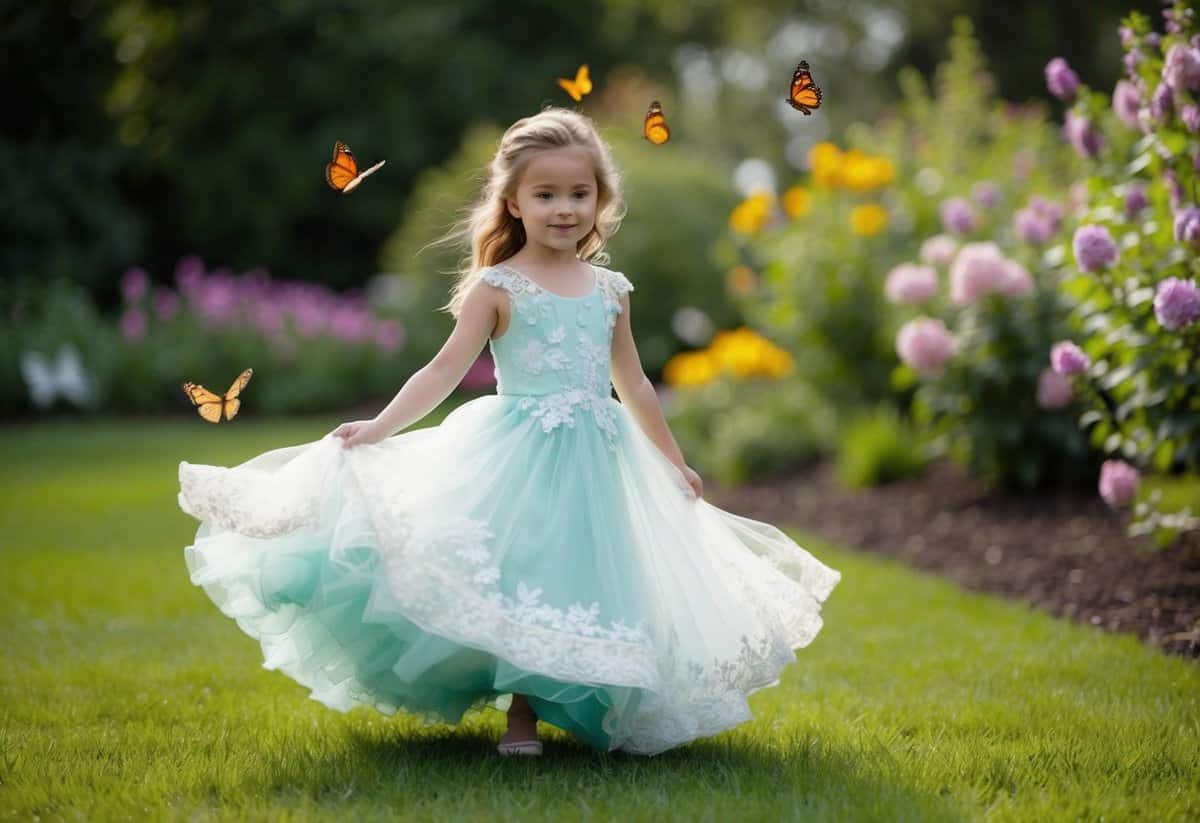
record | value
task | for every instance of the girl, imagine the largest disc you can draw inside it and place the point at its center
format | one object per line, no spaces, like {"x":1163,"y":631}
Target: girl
{"x":545,"y":550}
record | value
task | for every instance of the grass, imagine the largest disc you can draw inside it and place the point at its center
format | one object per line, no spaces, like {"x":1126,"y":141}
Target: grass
{"x":124,"y":694}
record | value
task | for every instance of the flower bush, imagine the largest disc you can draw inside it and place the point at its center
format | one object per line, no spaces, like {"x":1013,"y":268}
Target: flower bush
{"x":1135,"y":341}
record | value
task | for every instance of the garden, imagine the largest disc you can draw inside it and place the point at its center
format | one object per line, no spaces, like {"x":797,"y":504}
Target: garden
{"x":944,"y":333}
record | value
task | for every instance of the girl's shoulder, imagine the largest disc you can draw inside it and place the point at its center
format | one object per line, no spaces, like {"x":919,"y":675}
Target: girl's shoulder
{"x":614,"y":282}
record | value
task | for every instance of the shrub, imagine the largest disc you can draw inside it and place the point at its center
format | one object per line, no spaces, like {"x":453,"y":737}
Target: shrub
{"x":879,"y":448}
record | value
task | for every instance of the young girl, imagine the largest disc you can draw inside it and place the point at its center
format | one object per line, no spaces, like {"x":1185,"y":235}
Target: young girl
{"x":545,"y":550}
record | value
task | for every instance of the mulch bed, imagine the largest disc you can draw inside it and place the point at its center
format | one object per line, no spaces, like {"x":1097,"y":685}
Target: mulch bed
{"x":1063,"y":551}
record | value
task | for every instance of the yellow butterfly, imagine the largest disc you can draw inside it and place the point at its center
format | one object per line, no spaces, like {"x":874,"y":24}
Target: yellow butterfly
{"x":580,"y":86}
{"x":211,"y":406}
{"x":342,"y":173}
{"x":655,"y":128}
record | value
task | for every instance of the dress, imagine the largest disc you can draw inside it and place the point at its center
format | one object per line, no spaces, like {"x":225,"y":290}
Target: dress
{"x":535,"y":542}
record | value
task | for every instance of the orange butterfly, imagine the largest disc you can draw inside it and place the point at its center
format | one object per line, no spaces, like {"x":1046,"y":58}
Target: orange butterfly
{"x":655,"y":127}
{"x":805,"y":95}
{"x":580,"y":86}
{"x":342,"y":173}
{"x":210,"y":406}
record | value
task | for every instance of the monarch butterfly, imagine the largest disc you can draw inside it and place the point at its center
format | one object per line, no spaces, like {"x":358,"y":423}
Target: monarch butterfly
{"x":342,"y":172}
{"x":805,"y":95}
{"x":655,"y":127}
{"x":580,"y":86}
{"x":210,"y":406}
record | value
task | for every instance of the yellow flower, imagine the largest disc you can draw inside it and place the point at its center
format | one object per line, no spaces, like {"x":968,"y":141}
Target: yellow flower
{"x":746,"y":353}
{"x":868,"y":219}
{"x":862,"y":172}
{"x":825,"y":160}
{"x":740,"y":280}
{"x":749,"y":216}
{"x":797,"y":201}
{"x":691,"y":368}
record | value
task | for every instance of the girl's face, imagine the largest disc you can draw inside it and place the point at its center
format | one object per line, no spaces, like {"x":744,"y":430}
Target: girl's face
{"x":556,"y":198}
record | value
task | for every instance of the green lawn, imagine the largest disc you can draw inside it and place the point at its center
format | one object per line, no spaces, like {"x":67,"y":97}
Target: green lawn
{"x":125,"y":694}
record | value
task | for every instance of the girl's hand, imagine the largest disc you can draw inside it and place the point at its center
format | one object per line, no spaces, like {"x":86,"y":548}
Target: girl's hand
{"x":693,"y":479}
{"x":358,"y":432}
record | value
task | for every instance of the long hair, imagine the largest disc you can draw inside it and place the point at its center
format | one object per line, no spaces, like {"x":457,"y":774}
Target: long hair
{"x":495,"y":234}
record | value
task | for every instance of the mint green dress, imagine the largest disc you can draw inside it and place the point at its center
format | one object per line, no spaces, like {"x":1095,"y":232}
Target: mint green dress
{"x":536,"y":542}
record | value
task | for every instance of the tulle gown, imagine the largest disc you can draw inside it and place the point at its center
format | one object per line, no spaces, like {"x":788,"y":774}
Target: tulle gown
{"x":535,"y":542}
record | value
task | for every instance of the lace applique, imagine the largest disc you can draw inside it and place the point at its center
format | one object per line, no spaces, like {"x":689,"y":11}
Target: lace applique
{"x":614,"y":284}
{"x":528,"y":299}
{"x":536,"y":356}
{"x":245,"y":501}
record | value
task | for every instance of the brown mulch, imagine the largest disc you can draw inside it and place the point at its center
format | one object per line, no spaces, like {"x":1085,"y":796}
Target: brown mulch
{"x":1062,"y":551}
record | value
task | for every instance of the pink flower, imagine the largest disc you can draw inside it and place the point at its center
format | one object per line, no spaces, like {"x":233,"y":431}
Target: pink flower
{"x":189,"y":273}
{"x":481,"y":374}
{"x":1017,"y":280}
{"x":1068,"y":359}
{"x":1118,"y":482}
{"x":1126,"y":100}
{"x":939,"y":249}
{"x":166,"y":303}
{"x":389,"y":335}
{"x":1053,"y":390}
{"x":924,"y":344}
{"x":978,"y":270}
{"x":957,"y":216}
{"x":351,"y":321}
{"x":135,"y":283}
{"x":133,"y":324}
{"x":1084,"y":138}
{"x":268,"y":317}
{"x":1060,"y":79}
{"x":1177,"y":303}
{"x":1181,"y":68}
{"x":1032,"y":227}
{"x":909,"y":283}
{"x":1094,"y":248}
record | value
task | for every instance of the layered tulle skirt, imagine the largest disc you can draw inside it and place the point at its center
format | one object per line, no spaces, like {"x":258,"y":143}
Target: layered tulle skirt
{"x":446,"y":568}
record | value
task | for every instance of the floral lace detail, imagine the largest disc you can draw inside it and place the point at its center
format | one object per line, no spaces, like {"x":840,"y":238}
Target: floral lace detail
{"x":558,"y":409}
{"x":245,"y":501}
{"x":613,"y":285}
{"x":536,"y":356}
{"x":534,"y":302}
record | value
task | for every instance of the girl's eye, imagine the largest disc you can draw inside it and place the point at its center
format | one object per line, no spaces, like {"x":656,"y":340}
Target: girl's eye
{"x":543,"y":194}
{"x":581,"y":194}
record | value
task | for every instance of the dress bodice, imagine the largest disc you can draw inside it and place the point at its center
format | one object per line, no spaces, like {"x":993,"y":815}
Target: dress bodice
{"x":556,"y":351}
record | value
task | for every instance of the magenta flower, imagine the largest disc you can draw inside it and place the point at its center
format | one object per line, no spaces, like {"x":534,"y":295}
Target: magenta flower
{"x":268,"y":318}
{"x":1083,"y":137}
{"x":978,"y":270}
{"x":1181,"y":68}
{"x":189,"y":273}
{"x":133,"y":324}
{"x":1094,"y":248}
{"x":1068,"y":359}
{"x":939,"y":249}
{"x":910,"y":283}
{"x":1187,"y":226}
{"x":389,"y":335}
{"x":1190,"y":115}
{"x":135,"y":283}
{"x":166,"y":303}
{"x":1176,"y":303}
{"x":481,"y":374}
{"x":1135,"y":201}
{"x":1053,"y":390}
{"x":957,"y":216}
{"x":351,"y":322}
{"x":1061,"y":80}
{"x":1118,"y":482}
{"x":924,"y":344}
{"x":1126,"y":100}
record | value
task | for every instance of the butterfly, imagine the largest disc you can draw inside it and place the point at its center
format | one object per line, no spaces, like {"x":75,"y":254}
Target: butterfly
{"x":805,"y":95}
{"x":342,"y":172}
{"x":211,"y":406}
{"x":580,"y":86}
{"x":64,"y":376}
{"x":655,"y":127}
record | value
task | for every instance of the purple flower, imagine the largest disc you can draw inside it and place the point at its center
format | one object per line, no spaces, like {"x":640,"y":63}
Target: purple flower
{"x":1017,"y":280}
{"x":1135,"y":201}
{"x":1174,"y":192}
{"x":166,"y":303}
{"x":189,"y":273}
{"x":133,"y":324}
{"x":1187,"y":226}
{"x":909,"y":283}
{"x":1190,"y":115}
{"x":957,"y":216}
{"x":939,"y":249}
{"x":1181,"y":69}
{"x":1053,"y":390}
{"x":1068,"y":359}
{"x":1177,"y":303}
{"x":986,"y":193}
{"x":978,"y":270}
{"x":1127,"y":36}
{"x":1094,"y":248}
{"x":1083,"y":137}
{"x":1131,"y":61}
{"x":389,"y":335}
{"x":1126,"y":100}
{"x":135,"y":283}
{"x":351,"y":321}
{"x":268,"y":318}
{"x":1032,"y":227}
{"x":1048,"y":209}
{"x":924,"y":344}
{"x":1153,"y":40}
{"x":1060,"y":79}
{"x":1118,"y":482}
{"x":1162,"y":102}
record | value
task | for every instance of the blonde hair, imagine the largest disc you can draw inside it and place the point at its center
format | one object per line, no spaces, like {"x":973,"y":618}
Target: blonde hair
{"x":494,"y":233}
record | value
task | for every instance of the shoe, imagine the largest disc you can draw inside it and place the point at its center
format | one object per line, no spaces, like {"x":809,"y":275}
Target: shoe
{"x":526,"y":747}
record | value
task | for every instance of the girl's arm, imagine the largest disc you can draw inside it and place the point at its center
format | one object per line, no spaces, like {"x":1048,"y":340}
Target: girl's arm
{"x":433,"y":382}
{"x":637,"y":392}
